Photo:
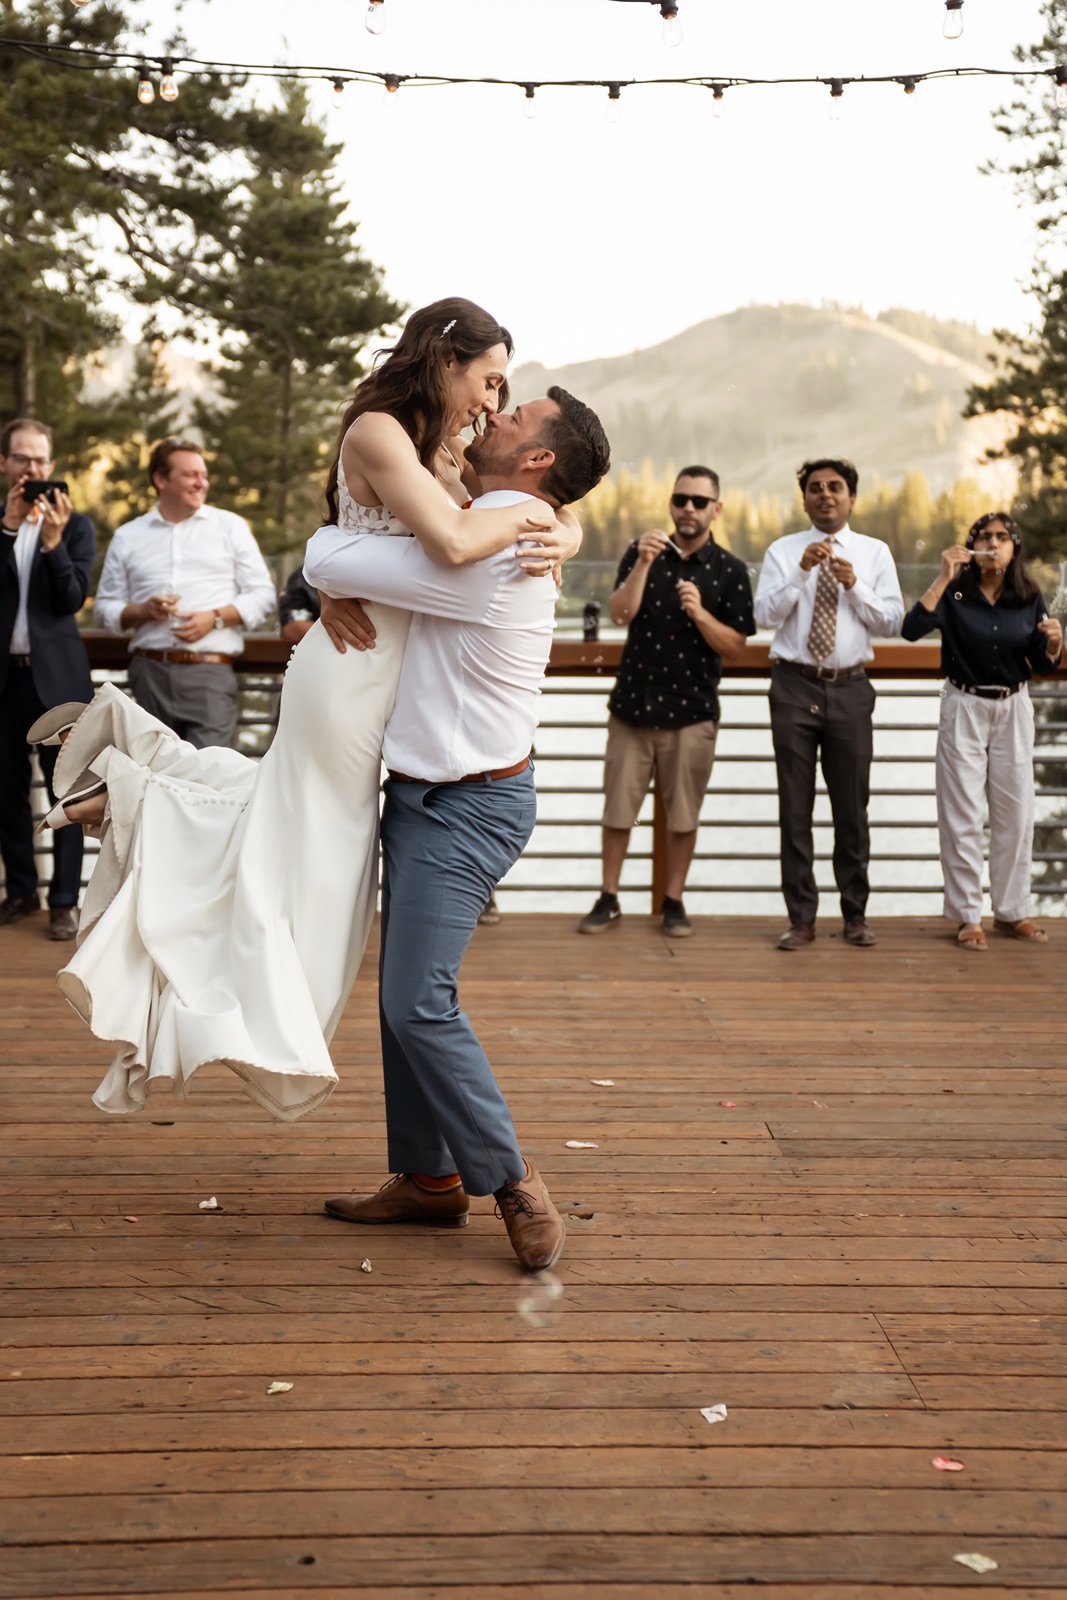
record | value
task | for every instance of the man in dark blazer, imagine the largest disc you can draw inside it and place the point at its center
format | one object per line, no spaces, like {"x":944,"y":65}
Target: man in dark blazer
{"x":46,"y":556}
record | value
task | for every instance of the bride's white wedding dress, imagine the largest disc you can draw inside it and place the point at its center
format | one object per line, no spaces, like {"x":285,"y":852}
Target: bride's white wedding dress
{"x":229,"y":908}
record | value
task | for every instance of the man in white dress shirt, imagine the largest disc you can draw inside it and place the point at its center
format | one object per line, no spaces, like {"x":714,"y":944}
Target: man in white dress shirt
{"x":185,"y":578}
{"x":825,"y":591}
{"x":459,"y":808}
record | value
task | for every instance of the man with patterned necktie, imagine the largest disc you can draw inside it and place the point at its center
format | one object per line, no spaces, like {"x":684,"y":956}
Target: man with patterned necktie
{"x":825,"y":591}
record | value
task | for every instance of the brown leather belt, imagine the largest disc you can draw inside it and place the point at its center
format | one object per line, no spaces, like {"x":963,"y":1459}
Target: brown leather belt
{"x":822,"y":674}
{"x":185,"y":657}
{"x":471,"y":777}
{"x":19,"y":661}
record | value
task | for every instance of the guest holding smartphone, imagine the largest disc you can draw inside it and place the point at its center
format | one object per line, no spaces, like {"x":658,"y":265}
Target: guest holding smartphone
{"x":995,"y":632}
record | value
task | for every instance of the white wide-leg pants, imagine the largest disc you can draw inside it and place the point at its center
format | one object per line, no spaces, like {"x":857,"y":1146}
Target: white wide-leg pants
{"x":985,"y":757}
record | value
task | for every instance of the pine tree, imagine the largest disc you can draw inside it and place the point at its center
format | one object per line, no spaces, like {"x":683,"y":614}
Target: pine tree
{"x":83,"y":164}
{"x":1031,"y":381}
{"x":298,"y":300}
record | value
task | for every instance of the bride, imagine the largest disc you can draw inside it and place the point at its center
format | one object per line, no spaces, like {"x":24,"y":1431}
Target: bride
{"x":231,"y":901}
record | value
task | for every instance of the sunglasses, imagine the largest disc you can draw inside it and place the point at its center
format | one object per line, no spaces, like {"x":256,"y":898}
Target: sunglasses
{"x":699,"y":502}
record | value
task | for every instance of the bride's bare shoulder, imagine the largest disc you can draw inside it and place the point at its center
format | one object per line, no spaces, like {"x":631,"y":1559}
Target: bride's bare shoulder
{"x":375,"y":434}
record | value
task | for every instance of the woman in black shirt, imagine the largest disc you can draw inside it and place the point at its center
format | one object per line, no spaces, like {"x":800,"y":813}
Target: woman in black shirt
{"x":995,"y":631}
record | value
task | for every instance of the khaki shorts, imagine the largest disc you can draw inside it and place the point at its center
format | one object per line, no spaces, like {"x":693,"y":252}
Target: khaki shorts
{"x":682,"y":758}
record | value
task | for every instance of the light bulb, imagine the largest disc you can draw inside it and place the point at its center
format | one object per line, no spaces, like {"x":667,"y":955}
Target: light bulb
{"x":168,"y":89}
{"x":909,"y":85}
{"x":374,"y":21}
{"x":952,"y":26}
{"x":614,"y":106}
{"x":338,"y":91}
{"x":672,"y":28}
{"x":1061,"y":88}
{"x":837,"y":95}
{"x":716,"y":99}
{"x":391,"y":90}
{"x":145,"y":92}
{"x":79,"y":3}
{"x":529,"y":105}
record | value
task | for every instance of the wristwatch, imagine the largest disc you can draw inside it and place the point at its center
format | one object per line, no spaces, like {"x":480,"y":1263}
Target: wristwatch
{"x":219,"y":622}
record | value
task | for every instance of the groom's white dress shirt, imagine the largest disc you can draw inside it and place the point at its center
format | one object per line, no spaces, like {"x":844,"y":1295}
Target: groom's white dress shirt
{"x":476,"y":651}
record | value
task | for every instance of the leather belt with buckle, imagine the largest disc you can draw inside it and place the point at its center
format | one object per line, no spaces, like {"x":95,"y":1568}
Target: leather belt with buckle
{"x":19,"y":661}
{"x":470,"y":777}
{"x":987,"y":691}
{"x":185,"y":657}
{"x":823,"y":674}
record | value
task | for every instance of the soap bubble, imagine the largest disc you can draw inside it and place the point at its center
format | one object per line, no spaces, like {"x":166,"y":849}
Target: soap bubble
{"x":539,"y":1303}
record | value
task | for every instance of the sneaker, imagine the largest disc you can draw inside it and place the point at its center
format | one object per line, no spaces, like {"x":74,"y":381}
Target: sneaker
{"x":675,"y":922}
{"x":606,"y":912}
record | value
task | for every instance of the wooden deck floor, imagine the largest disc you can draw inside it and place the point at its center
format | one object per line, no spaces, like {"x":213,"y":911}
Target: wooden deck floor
{"x":859,"y":1254}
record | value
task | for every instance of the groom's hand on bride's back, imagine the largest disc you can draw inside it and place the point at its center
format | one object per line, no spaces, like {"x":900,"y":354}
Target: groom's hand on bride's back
{"x":347,"y":623}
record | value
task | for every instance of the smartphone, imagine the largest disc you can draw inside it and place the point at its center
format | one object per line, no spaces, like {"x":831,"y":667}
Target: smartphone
{"x":34,"y":488}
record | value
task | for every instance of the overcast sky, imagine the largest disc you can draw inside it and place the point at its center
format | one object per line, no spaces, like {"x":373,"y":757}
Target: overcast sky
{"x":590,"y":239}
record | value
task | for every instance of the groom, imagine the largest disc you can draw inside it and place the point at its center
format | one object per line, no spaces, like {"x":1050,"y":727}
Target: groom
{"x":459,"y":809}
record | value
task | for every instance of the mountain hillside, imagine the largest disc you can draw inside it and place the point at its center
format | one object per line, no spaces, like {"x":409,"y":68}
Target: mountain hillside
{"x":754,"y":392}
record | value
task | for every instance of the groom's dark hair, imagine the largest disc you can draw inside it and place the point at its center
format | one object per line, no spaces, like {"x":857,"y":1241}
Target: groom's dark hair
{"x":576,"y":437}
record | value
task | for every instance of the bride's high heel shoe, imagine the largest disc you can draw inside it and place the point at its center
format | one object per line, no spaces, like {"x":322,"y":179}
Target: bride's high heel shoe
{"x":53,"y":727}
{"x":58,"y":816}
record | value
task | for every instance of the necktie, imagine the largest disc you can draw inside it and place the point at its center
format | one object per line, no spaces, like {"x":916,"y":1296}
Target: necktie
{"x":823,"y":630}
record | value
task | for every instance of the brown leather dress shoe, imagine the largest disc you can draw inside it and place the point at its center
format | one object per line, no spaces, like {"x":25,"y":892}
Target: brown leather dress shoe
{"x":62,"y":922}
{"x":15,"y":909}
{"x":858,"y":931}
{"x":535,"y":1227}
{"x":796,"y":937}
{"x":402,"y":1199}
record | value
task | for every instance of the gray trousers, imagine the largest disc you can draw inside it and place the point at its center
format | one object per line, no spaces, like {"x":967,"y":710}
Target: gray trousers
{"x":830,"y":722}
{"x":444,"y":849}
{"x":199,"y":701}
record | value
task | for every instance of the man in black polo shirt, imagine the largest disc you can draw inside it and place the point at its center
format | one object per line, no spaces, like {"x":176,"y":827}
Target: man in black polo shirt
{"x":688,"y":603}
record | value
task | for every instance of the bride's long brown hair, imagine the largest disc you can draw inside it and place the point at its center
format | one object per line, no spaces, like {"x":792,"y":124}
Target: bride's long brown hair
{"x":409,"y":380}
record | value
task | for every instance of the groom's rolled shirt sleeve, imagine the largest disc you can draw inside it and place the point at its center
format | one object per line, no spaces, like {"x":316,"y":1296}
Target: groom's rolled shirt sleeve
{"x":398,"y":572}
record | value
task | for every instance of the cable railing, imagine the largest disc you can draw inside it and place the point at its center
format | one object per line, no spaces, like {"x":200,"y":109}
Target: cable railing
{"x":735,"y":867}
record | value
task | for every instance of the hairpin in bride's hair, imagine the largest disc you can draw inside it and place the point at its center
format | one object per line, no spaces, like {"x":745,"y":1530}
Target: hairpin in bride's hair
{"x":448,"y":327}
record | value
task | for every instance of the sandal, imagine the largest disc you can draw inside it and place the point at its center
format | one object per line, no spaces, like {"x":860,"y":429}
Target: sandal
{"x":969,"y":936}
{"x":1026,"y":929}
{"x":53,"y":727}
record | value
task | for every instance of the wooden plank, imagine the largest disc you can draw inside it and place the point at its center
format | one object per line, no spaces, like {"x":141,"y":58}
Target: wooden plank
{"x":398,"y":1563}
{"x":945,"y":1508}
{"x":204,"y":1470}
{"x":208,"y":1414}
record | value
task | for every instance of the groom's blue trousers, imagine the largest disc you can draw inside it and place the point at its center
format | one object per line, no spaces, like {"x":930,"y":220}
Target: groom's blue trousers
{"x":445,"y":847}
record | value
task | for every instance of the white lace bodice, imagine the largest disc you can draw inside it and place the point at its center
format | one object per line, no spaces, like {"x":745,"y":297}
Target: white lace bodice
{"x":355,"y":518}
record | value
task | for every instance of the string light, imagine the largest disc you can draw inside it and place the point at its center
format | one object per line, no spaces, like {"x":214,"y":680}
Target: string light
{"x":338,"y":91}
{"x":672,"y":28}
{"x":391,"y":88}
{"x":614,"y":102}
{"x":168,"y":89}
{"x":1060,"y":76}
{"x":837,"y":94}
{"x":84,"y":59}
{"x":374,"y":21}
{"x":529,"y":101}
{"x":145,"y":92}
{"x":952,"y":27}
{"x":717,"y":92}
